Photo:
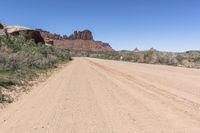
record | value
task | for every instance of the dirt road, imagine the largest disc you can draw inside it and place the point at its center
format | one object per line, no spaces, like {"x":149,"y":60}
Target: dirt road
{"x":98,"y":96}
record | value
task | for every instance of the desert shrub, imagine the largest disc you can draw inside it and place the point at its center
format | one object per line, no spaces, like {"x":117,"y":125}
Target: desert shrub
{"x":5,"y":98}
{"x":151,"y":57}
{"x":179,"y":57}
{"x":5,"y":83}
{"x":27,"y":54}
{"x":2,"y":97}
{"x":197,"y":58}
{"x":14,"y":43}
{"x":136,"y":58}
{"x":148,"y":56}
{"x":25,"y":57}
{"x":22,"y":60}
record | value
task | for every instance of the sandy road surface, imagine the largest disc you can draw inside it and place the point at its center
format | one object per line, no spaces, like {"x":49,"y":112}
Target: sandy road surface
{"x":98,"y":96}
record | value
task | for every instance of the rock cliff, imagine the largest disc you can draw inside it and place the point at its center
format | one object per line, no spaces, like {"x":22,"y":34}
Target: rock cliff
{"x":79,"y":40}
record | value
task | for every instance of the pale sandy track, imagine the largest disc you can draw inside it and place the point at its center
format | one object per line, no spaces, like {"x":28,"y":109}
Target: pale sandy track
{"x":98,"y":96}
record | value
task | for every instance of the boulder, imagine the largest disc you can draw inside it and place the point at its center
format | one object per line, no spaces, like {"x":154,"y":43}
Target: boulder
{"x":28,"y":33}
{"x":2,"y":31}
{"x":1,"y":26}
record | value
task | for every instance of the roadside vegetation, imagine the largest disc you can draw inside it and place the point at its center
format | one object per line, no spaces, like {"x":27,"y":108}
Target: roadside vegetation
{"x":190,"y":59}
{"x":22,"y":61}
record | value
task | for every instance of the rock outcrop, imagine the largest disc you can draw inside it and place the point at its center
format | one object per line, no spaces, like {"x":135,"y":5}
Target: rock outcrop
{"x":81,"y":35}
{"x":28,"y":33}
{"x":77,"y":35}
{"x":79,"y":40}
{"x":82,"y":45}
{"x":1,"y":26}
{"x":50,"y":36}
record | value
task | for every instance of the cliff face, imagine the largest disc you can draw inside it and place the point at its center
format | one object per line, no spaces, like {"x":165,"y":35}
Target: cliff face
{"x":47,"y":35}
{"x":28,"y":33}
{"x":79,"y":40}
{"x":83,"y":45}
{"x":81,"y":35}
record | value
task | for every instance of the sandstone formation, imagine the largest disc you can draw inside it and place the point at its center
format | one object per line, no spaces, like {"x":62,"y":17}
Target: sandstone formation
{"x":77,"y":35}
{"x":49,"y":36}
{"x":81,"y":35}
{"x":28,"y":33}
{"x":83,"y":45}
{"x":79,"y":40}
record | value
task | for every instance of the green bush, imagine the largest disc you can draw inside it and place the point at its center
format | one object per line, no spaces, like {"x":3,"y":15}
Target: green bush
{"x":152,"y":57}
{"x":5,"y":98}
{"x":24,"y":58}
{"x":179,"y":57}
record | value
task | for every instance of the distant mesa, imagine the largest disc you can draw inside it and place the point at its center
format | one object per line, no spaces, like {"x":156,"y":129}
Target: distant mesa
{"x":153,"y":49}
{"x":79,"y":40}
{"x":81,"y":35}
{"x":136,"y":50}
{"x":77,"y":35}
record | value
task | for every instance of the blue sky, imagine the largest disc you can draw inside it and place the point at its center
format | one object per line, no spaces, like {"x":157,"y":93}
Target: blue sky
{"x":168,"y":25}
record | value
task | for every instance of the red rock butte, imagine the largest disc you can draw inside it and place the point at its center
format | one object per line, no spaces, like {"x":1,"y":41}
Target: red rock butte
{"x":79,"y":40}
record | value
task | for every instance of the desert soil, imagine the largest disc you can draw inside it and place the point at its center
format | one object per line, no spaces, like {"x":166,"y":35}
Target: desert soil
{"x":99,"y":96}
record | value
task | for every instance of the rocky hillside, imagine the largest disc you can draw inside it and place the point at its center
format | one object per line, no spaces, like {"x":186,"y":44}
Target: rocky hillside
{"x":79,"y":40}
{"x":27,"y":33}
{"x":81,"y":35}
{"x":83,"y":45}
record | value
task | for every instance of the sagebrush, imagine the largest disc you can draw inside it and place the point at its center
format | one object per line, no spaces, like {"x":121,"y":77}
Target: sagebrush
{"x":21,"y":60}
